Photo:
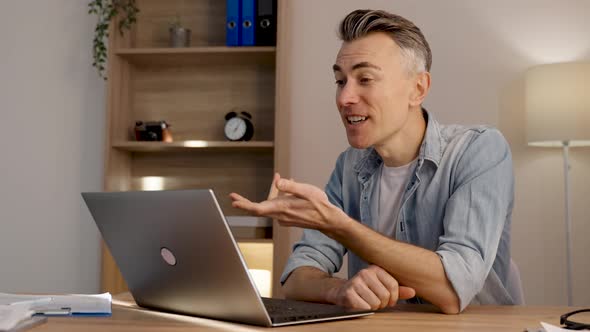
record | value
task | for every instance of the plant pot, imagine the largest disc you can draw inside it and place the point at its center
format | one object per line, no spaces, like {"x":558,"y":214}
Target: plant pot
{"x":180,"y":37}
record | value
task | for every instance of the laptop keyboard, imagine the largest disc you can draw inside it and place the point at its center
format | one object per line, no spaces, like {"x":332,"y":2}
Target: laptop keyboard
{"x":281,"y":310}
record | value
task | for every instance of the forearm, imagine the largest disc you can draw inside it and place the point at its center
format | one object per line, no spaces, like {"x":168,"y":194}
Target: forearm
{"x":311,"y":284}
{"x":411,"y":266}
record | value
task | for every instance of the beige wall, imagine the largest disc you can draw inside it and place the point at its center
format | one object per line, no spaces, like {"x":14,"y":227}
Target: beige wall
{"x":52,"y":106}
{"x":481,"y":50}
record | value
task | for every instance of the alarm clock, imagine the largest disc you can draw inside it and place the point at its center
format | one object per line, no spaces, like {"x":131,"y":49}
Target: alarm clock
{"x":238,"y":126}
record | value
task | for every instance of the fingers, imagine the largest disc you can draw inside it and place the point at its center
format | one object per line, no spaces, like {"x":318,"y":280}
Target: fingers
{"x":406,"y":292}
{"x":274,"y":191}
{"x":287,"y":210}
{"x":377,"y":288}
{"x":302,"y":190}
{"x":241,"y":202}
{"x":235,"y":196}
{"x":305,"y":206}
{"x":352,"y":299}
{"x":262,"y":208}
{"x":397,"y":291}
{"x":371,"y":290}
{"x":389,"y":283}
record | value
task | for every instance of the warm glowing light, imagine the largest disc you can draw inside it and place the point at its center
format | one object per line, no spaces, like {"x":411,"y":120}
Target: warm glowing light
{"x":262,"y":280}
{"x":152,"y":183}
{"x":558,"y":105}
{"x":195,"y":144}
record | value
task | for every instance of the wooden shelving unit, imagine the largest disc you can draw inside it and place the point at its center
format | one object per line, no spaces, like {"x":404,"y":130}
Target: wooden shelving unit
{"x":192,"y":89}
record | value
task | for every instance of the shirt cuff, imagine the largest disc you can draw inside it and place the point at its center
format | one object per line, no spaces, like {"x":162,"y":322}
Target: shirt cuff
{"x":307,"y":256}
{"x":459,"y":274}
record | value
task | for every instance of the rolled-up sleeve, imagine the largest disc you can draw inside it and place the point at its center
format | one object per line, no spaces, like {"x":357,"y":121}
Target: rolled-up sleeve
{"x":476,"y":212}
{"x":316,"y":249}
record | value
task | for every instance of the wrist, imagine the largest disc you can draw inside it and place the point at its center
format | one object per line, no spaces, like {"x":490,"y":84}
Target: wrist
{"x":331,"y":288}
{"x":340,"y":225}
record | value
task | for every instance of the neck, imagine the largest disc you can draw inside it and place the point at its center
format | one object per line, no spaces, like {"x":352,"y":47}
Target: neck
{"x":404,"y":146}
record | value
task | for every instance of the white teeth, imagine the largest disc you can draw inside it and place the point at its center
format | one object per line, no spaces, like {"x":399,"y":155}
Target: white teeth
{"x":356,"y":118}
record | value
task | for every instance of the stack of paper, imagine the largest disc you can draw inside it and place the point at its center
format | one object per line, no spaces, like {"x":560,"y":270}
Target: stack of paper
{"x":13,"y":315}
{"x":73,"y":304}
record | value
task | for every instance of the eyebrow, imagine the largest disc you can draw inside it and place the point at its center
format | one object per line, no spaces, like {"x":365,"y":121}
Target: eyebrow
{"x":359,"y":65}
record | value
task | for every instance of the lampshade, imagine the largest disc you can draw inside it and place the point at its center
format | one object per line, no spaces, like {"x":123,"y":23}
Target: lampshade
{"x":557,"y":98}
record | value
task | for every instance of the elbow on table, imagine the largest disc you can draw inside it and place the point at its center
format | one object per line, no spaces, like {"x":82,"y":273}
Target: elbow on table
{"x":288,"y":290}
{"x":450,"y":309}
{"x":451,"y":305}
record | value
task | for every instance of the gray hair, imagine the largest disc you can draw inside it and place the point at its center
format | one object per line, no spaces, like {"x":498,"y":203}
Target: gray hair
{"x":415,"y":49}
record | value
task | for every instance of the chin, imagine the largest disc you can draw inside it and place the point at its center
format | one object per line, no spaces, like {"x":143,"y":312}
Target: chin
{"x":357,"y":144}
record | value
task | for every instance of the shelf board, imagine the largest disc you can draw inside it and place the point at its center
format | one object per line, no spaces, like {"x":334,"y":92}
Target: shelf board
{"x":194,"y":50}
{"x":248,"y":228}
{"x":134,"y":146}
{"x":248,"y":221}
{"x":196,"y":55}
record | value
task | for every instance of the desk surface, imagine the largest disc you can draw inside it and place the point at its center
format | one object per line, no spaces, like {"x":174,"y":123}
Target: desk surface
{"x":128,"y":317}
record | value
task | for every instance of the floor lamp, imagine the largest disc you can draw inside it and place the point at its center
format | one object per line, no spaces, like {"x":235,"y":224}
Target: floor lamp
{"x":557,"y":99}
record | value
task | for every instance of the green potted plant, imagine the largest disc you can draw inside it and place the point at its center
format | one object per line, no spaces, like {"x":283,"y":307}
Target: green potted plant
{"x":106,"y":10}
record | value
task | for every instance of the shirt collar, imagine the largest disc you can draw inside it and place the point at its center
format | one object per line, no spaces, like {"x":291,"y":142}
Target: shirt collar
{"x":431,"y":149}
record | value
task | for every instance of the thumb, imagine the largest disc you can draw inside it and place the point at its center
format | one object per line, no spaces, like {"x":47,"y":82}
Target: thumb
{"x":406,"y":292}
{"x":274,"y":191}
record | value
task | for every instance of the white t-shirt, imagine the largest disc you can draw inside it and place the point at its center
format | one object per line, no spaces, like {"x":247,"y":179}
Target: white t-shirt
{"x":391,"y":190}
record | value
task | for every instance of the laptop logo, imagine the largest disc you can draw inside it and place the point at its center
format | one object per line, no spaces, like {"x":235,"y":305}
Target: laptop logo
{"x":168,"y":256}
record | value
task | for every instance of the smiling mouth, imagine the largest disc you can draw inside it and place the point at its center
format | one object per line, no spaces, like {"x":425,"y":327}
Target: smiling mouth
{"x":355,"y":119}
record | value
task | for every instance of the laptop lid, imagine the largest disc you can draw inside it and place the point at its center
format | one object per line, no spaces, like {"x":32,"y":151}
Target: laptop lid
{"x":176,"y":252}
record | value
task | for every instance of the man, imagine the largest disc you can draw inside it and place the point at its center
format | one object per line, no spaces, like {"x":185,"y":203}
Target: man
{"x":422,"y":209}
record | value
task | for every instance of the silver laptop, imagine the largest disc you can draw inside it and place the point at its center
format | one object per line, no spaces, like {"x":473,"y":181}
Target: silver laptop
{"x":176,"y":252}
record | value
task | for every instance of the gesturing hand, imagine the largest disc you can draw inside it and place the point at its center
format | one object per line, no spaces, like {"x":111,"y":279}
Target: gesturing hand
{"x":294,"y":204}
{"x":370,"y":289}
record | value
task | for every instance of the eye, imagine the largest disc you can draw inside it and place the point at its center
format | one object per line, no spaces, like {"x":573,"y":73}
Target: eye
{"x":365,"y":80}
{"x":339,"y":82}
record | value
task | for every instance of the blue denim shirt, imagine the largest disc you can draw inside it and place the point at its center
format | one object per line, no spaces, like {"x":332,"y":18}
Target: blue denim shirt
{"x":458,"y":203}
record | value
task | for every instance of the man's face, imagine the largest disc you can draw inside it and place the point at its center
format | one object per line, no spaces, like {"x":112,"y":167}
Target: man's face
{"x":373,"y":91}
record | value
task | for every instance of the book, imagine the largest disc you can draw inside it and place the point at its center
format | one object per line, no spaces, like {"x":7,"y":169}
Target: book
{"x":70,"y":304}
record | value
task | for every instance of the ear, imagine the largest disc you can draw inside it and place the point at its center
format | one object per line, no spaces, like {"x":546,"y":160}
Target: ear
{"x":421,"y":88}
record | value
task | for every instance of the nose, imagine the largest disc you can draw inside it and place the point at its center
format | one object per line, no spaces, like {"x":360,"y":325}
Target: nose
{"x":347,"y":95}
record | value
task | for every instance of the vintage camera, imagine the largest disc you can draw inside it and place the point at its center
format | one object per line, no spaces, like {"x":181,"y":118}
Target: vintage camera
{"x":152,"y":131}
